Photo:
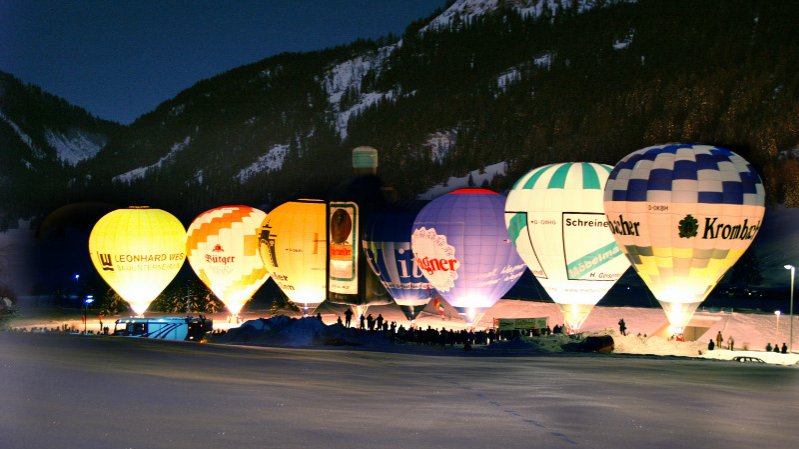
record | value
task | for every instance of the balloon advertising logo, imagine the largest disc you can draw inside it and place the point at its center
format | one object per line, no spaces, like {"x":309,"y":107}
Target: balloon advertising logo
{"x":387,"y":245}
{"x":442,"y":268}
{"x":138,"y":251}
{"x":222,"y":248}
{"x":555,"y":217}
{"x":683,"y":215}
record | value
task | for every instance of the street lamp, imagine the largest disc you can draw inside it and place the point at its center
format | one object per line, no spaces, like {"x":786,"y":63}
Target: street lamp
{"x":89,"y":299}
{"x":790,"y":311}
{"x":778,"y":313}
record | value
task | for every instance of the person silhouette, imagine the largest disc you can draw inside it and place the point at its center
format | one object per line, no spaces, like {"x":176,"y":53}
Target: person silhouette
{"x":348,"y":317}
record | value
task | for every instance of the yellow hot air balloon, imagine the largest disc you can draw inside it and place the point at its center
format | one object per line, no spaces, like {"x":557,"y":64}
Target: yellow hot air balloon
{"x":138,"y":251}
{"x":683,"y":214}
{"x":222,"y":248}
{"x":293,"y":246}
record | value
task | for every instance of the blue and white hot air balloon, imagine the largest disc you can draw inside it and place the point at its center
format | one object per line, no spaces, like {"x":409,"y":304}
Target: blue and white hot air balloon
{"x":460,"y":242}
{"x":683,"y":214}
{"x":555,"y":217}
{"x":387,"y":243}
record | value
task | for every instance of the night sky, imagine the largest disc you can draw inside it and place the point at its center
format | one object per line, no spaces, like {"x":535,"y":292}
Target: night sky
{"x":119,"y":59}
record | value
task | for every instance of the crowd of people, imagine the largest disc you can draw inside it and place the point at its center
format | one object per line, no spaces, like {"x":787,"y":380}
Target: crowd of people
{"x":436,"y":337}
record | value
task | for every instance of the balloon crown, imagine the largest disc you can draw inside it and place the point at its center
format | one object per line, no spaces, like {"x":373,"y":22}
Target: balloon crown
{"x":473,"y":191}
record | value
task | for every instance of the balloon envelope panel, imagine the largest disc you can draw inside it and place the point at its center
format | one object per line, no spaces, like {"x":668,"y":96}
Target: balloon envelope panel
{"x":138,"y":251}
{"x":683,"y":214}
{"x":222,"y":248}
{"x":293,"y":245}
{"x":460,"y":242}
{"x":555,"y":217}
{"x":387,"y":243}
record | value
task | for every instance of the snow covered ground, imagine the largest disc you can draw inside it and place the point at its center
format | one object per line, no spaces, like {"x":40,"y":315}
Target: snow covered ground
{"x":646,"y":329}
{"x":60,"y":390}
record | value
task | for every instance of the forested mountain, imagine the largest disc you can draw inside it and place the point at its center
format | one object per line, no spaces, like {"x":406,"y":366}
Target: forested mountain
{"x":482,"y":81}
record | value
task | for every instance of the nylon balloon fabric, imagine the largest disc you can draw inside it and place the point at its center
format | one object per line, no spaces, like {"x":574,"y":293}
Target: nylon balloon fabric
{"x":683,"y":214}
{"x":222,"y":249}
{"x":460,"y":242}
{"x":555,"y":218}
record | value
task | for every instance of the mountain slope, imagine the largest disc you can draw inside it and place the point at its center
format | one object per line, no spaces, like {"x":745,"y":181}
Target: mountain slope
{"x":43,"y":137}
{"x":483,"y":82}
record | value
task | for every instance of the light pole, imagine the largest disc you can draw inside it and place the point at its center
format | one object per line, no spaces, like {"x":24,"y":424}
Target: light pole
{"x":777,"y":334}
{"x":790,"y":311}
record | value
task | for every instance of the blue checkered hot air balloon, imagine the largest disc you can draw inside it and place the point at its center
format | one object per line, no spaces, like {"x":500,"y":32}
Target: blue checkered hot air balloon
{"x":683,"y":214}
{"x":460,"y":242}
{"x":387,"y":243}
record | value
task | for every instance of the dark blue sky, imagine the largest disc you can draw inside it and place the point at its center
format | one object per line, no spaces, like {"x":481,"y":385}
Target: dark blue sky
{"x":120,"y":58}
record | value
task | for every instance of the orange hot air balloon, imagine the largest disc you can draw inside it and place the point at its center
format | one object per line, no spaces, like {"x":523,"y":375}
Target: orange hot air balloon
{"x":222,"y":248}
{"x":138,"y":251}
{"x":293,"y":246}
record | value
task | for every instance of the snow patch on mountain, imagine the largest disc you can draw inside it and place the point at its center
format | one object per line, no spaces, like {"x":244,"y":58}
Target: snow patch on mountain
{"x":141,"y":172}
{"x":37,"y":152}
{"x":465,"y":11}
{"x":271,"y":161}
{"x":439,"y":144}
{"x":454,"y":183}
{"x":507,"y":78}
{"x":621,"y":44}
{"x":543,"y":61}
{"x":346,"y":78}
{"x":75,"y":146}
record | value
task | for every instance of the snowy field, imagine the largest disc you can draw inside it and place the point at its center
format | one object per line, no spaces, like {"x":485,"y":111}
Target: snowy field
{"x":647,"y":328}
{"x":61,"y":390}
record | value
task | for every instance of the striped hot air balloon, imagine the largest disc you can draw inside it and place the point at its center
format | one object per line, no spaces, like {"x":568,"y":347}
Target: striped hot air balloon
{"x":460,"y":242}
{"x":222,"y":248}
{"x":683,"y":214}
{"x":555,"y":217}
{"x":138,"y":251}
{"x":293,"y":246}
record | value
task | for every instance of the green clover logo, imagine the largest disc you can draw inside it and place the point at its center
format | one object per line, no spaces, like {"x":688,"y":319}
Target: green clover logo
{"x":688,"y":227}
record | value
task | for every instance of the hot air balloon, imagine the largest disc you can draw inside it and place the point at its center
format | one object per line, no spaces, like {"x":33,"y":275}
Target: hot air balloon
{"x":683,"y":214}
{"x":460,"y":242}
{"x":138,"y":251}
{"x":222,"y":248}
{"x":387,"y":243}
{"x":293,"y":246}
{"x":555,"y":217}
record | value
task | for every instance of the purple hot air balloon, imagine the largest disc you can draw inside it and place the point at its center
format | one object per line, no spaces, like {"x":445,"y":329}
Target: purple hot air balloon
{"x":460,"y":242}
{"x":387,"y":242}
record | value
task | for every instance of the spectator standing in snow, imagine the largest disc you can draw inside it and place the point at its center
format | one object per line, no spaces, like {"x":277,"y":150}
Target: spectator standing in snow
{"x":348,"y":317}
{"x":622,"y":327}
{"x":363,"y":322}
{"x":730,"y":343}
{"x":379,"y":321}
{"x":719,"y":339}
{"x":710,"y":345}
{"x":370,"y":321}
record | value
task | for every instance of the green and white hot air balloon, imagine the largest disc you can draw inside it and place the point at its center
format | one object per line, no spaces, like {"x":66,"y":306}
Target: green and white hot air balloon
{"x":555,"y":216}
